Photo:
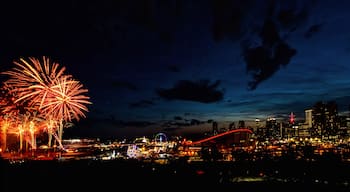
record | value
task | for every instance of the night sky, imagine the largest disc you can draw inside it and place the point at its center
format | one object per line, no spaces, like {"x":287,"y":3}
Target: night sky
{"x":174,"y":65}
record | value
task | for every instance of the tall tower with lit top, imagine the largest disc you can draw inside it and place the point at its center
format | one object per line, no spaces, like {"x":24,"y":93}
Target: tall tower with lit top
{"x":292,"y":118}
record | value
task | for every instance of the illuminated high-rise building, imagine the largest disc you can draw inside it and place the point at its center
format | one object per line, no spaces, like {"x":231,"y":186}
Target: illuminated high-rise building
{"x":325,"y":119}
{"x":272,"y":127}
{"x":308,"y":118}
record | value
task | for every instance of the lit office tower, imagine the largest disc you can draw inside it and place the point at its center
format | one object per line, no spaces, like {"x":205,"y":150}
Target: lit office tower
{"x":308,"y":118}
{"x":272,"y":128}
{"x":325,"y":119}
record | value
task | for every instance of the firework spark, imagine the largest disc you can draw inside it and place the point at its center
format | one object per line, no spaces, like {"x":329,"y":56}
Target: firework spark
{"x":31,"y":79}
{"x":45,"y":84}
{"x":66,"y":100}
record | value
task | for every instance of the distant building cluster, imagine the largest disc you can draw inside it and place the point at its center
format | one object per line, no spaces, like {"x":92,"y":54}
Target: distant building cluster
{"x":321,"y":121}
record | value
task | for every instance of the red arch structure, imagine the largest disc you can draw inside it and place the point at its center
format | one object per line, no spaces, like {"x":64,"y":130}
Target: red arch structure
{"x":220,"y":135}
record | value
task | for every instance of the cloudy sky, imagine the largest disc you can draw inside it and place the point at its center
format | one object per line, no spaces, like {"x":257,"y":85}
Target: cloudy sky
{"x":180,"y":62}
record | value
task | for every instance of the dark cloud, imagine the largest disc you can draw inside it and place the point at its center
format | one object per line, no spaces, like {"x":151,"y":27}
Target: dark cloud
{"x":312,"y":30}
{"x":269,"y":33}
{"x":201,"y":91}
{"x":264,"y":60}
{"x":282,"y":18}
{"x":124,"y":84}
{"x":141,"y":104}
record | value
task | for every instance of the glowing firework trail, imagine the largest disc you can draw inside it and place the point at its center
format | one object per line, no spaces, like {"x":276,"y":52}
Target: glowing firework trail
{"x":51,"y":124}
{"x":66,"y":100}
{"x":4,"y":123}
{"x":9,"y":111}
{"x":32,"y":79}
{"x":7,"y":101}
{"x":28,"y":126}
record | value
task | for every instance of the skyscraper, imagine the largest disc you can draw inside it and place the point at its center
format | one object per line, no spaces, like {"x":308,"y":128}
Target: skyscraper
{"x":325,"y":119}
{"x":308,"y":118}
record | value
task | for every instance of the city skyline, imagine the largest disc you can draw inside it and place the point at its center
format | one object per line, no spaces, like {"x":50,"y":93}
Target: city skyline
{"x":188,"y":60}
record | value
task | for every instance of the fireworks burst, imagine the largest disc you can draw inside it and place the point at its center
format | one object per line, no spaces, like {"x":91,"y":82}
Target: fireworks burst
{"x":44,"y":87}
{"x":32,"y":79}
{"x":66,"y":100}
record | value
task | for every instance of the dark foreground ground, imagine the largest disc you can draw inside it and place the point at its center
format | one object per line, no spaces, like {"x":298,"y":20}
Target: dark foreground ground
{"x":132,"y":175}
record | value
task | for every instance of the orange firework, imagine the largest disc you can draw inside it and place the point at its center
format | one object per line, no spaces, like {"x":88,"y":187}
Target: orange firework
{"x":15,"y":117}
{"x":32,"y":79}
{"x":7,"y":104}
{"x":44,"y":86}
{"x":66,"y":100}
